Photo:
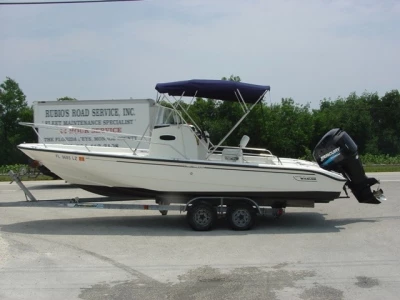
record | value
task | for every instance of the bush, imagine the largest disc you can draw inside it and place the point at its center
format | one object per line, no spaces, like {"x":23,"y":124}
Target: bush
{"x":16,"y":168}
{"x":380,"y":159}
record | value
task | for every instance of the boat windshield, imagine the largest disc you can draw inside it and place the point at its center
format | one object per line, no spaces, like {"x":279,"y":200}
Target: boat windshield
{"x":167,"y":115}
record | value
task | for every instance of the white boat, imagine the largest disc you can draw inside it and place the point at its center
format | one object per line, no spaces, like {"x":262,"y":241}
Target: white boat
{"x":182,"y":164}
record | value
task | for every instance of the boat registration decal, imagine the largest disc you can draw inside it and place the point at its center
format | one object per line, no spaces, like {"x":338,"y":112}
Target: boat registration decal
{"x":305,"y":178}
{"x":70,"y":157}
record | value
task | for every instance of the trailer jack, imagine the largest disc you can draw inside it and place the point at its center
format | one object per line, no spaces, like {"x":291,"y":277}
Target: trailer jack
{"x":15,"y":178}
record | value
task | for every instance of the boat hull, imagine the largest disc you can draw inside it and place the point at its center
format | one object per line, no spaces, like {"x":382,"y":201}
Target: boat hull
{"x":279,"y":199}
{"x":178,"y":181}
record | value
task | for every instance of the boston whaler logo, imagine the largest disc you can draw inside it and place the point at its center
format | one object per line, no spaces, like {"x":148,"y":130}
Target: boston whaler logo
{"x":305,"y":178}
{"x":330,"y":153}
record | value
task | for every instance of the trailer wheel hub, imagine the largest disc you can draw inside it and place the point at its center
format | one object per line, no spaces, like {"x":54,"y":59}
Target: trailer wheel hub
{"x":202,"y":217}
{"x":241,"y":217}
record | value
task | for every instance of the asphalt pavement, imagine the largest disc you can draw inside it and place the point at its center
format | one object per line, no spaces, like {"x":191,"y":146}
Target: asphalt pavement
{"x":340,"y":250}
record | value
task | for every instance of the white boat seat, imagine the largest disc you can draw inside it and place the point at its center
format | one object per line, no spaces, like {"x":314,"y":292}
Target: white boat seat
{"x":232,"y":155}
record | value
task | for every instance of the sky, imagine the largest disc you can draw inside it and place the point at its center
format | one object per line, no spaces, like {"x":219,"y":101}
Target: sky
{"x":307,"y":50}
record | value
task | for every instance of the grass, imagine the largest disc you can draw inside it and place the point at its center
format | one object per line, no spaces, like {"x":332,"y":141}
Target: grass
{"x":6,"y":178}
{"x":380,"y":159}
{"x":26,"y":172}
{"x":382,"y":168}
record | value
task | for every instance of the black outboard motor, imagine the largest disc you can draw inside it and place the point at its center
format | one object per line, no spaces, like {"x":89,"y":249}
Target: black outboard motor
{"x":336,"y":151}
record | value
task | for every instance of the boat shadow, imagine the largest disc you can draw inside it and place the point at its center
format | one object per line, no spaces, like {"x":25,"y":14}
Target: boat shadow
{"x":176,"y":225}
{"x":51,"y":186}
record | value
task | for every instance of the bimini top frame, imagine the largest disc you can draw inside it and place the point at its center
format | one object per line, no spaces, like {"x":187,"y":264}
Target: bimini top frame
{"x":224,"y":90}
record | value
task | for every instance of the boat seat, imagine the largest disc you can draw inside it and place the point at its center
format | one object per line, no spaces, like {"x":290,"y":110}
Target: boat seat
{"x":232,"y":155}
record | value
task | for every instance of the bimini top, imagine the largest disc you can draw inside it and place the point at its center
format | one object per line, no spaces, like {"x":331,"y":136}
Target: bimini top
{"x":214,"y":89}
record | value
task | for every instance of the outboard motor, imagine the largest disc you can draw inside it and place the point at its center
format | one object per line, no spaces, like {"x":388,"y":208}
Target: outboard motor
{"x":336,"y":151}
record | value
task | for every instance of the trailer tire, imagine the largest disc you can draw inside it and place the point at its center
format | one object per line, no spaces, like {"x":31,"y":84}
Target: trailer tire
{"x":164,"y":212}
{"x":241,"y":217}
{"x":202,"y":216}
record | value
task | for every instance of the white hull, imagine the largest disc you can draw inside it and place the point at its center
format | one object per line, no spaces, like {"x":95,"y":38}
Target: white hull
{"x":119,"y":168}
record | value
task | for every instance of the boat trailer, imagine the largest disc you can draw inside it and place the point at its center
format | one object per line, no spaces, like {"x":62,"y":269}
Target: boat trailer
{"x":202,"y":212}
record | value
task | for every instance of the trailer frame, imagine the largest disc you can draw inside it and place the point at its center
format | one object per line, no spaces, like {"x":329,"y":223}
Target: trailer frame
{"x":245,"y":208}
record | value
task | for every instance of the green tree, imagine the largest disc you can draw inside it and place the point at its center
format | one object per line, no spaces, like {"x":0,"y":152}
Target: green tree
{"x":66,"y":98}
{"x":386,"y":116}
{"x":293,"y":130}
{"x":232,"y":78}
{"x":288,"y":128}
{"x":14,"y":109}
{"x":354,"y":115}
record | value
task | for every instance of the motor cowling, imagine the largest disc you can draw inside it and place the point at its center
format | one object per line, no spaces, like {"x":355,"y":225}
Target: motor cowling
{"x":336,"y":151}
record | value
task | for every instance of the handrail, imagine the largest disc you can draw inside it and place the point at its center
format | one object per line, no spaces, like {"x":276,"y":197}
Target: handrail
{"x":120,"y":136}
{"x":269,"y":153}
{"x":245,"y":148}
{"x":79,"y":128}
{"x":89,"y":130}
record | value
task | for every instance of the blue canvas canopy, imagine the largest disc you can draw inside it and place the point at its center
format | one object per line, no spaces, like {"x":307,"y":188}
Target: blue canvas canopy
{"x":214,"y":89}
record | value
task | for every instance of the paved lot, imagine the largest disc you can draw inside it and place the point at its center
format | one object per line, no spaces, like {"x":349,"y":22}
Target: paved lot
{"x":341,"y":250}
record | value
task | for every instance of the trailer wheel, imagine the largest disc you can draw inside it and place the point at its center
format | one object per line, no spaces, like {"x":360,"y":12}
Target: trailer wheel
{"x":202,"y":216}
{"x":164,"y":212}
{"x":241,"y":217}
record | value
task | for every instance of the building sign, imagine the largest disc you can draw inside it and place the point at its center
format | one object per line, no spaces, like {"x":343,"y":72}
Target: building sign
{"x":94,"y":122}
